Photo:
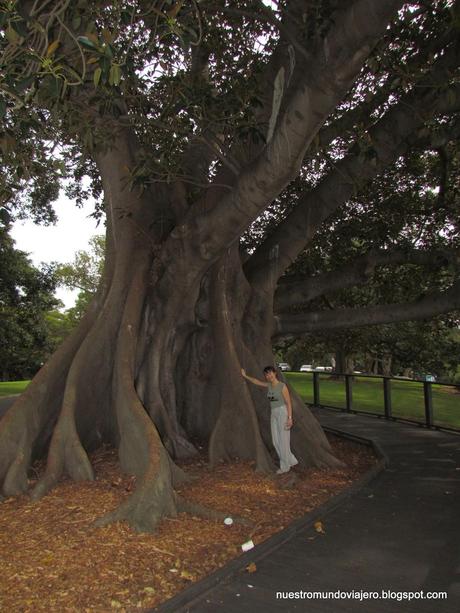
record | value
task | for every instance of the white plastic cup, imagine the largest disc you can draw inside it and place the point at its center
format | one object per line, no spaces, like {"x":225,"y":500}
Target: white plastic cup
{"x":247,"y":546}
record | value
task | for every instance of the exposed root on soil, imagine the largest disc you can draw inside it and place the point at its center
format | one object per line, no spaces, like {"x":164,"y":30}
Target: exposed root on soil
{"x":193,"y":508}
{"x":27,"y":425}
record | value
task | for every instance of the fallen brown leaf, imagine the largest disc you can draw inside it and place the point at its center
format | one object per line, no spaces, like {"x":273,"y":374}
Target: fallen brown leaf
{"x":319,"y":527}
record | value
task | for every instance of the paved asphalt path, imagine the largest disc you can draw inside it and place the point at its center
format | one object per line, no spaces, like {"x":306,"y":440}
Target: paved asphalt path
{"x":399,"y":533}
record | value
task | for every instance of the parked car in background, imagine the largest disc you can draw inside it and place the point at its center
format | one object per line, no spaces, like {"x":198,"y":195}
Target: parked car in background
{"x":320,"y":368}
{"x":424,"y":377}
{"x":284,"y":366}
{"x":306,"y":368}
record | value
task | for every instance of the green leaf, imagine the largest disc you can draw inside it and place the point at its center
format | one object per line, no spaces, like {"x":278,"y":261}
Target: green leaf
{"x":12,"y":35}
{"x":115,"y":74}
{"x":107,"y":50}
{"x":24,"y":84}
{"x":86,"y":42}
{"x":73,"y":72}
{"x":97,"y":76}
{"x":49,"y":88}
{"x":20,"y":27}
{"x":2,"y":108}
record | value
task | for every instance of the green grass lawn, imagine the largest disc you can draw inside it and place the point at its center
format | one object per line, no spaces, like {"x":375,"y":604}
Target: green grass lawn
{"x":8,"y":388}
{"x":406,"y":397}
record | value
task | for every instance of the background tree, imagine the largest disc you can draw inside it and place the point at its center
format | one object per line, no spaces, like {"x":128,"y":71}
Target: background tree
{"x":26,"y":295}
{"x":409,"y":349}
{"x":59,"y":325}
{"x":194,"y":120}
{"x":83,"y":274}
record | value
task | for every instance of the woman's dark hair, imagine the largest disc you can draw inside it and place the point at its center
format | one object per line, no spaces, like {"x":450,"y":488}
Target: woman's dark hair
{"x":269,"y":369}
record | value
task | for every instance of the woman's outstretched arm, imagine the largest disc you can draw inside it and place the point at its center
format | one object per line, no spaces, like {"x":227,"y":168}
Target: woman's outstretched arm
{"x":253,"y":380}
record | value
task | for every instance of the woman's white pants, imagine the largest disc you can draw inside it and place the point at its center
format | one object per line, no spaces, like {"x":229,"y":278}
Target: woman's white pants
{"x":282,"y":438}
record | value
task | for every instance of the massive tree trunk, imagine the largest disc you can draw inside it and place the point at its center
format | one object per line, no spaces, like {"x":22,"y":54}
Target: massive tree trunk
{"x":151,"y":372}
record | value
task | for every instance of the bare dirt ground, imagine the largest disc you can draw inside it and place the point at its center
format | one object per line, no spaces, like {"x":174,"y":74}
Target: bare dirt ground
{"x":52,"y":559}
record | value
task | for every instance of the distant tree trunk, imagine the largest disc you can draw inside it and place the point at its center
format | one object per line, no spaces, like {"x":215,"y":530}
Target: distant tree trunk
{"x":344,"y":363}
{"x":375,"y":366}
{"x":349,"y":365}
{"x":387,"y":361}
{"x":340,"y":359}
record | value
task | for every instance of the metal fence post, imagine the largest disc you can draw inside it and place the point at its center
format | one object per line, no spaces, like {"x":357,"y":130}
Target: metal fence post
{"x":349,"y":392}
{"x":316,"y":389}
{"x":387,"y":397}
{"x":427,"y":392}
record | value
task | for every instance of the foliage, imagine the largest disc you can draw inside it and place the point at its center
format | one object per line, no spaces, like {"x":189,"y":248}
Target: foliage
{"x":84,"y":274}
{"x":104,"y":52}
{"x":410,"y":348}
{"x":26,"y":294}
{"x":59,"y":325}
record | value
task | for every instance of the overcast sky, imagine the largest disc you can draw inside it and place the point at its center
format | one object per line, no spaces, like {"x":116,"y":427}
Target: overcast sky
{"x":60,"y":242}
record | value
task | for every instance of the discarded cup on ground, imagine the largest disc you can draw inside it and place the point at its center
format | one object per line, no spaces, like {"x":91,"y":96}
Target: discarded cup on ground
{"x":228,"y":521}
{"x":247,"y":546}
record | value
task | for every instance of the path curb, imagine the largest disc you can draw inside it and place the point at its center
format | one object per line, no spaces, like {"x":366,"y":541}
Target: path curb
{"x":196,"y":592}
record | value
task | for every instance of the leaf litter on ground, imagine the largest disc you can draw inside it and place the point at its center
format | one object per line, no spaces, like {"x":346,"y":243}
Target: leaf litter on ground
{"x":53,"y":559}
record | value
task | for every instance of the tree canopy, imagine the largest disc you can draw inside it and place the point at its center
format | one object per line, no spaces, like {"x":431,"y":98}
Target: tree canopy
{"x":190,"y":78}
{"x":267,"y":169}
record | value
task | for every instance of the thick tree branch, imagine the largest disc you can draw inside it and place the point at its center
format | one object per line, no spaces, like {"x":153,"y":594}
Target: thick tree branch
{"x":358,"y":272}
{"x":428,"y":306}
{"x":330,"y":74}
{"x":362,"y":114}
{"x":388,"y":139}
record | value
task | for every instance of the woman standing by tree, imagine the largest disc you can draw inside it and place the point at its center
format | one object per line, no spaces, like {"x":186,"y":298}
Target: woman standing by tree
{"x":281,"y":416}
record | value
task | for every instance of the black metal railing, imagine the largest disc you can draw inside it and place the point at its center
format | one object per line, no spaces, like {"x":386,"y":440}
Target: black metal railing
{"x":388,"y":412}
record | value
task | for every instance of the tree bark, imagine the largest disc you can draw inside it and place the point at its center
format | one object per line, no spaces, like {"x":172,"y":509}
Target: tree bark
{"x":168,"y":372}
{"x":427,"y":306}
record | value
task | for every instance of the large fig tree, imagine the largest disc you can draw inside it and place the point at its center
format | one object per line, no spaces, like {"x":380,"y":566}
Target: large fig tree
{"x":222,"y":138}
